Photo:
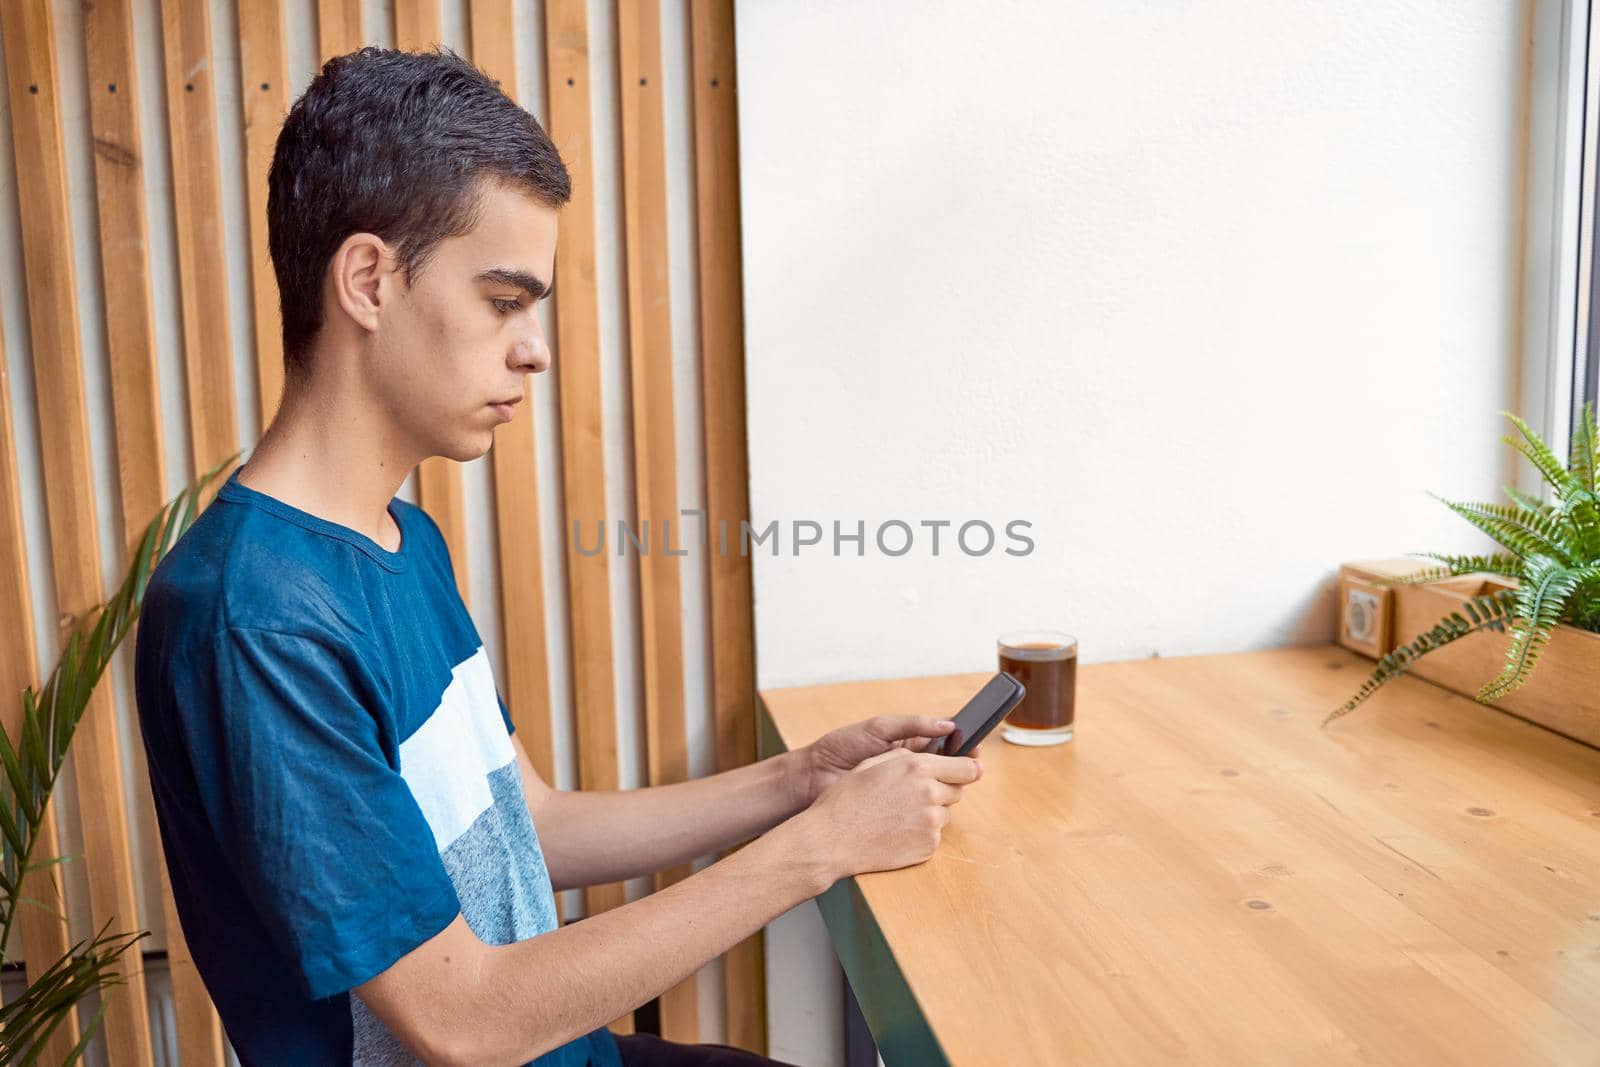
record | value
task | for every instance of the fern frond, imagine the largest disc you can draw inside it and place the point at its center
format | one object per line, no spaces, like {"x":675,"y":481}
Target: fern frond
{"x":1541,"y":601}
{"x":1527,"y":533}
{"x":1532,"y":446}
{"x":1581,"y":457}
{"x":1506,"y":564}
{"x":1552,"y":548}
{"x":1422,"y":577}
{"x":1527,"y":500}
{"x":1490,"y":611}
{"x":1588,"y":415}
{"x":1581,"y":510}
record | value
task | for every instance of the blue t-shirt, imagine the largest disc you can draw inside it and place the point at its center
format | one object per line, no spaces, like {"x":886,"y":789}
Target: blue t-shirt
{"x":332,"y":770}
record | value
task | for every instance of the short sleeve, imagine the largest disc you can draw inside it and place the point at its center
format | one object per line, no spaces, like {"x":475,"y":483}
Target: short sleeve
{"x":321,"y":830}
{"x":505,"y":713}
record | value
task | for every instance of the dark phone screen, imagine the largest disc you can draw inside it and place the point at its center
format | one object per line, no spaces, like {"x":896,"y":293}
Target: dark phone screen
{"x":982,"y":714}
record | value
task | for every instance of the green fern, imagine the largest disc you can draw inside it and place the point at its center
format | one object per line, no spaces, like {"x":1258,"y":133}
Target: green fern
{"x":29,"y":765}
{"x":1551,"y":550}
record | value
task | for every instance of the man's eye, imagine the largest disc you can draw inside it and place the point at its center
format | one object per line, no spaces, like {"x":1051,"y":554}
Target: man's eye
{"x":506,"y":307}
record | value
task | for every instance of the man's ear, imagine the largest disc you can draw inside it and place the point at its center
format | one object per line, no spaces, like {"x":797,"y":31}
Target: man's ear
{"x":360,"y":274}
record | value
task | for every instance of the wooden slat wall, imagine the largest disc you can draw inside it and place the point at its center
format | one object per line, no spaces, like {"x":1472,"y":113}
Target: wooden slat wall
{"x":31,"y":65}
{"x":264,"y":89}
{"x":521,"y":506}
{"x":339,"y":29}
{"x":136,"y":402}
{"x":416,"y":27}
{"x":197,"y":217}
{"x":733,"y":682}
{"x":577,"y":352}
{"x":516,"y":490}
{"x":416,"y":24}
{"x":644,"y":185}
{"x":582,"y":440}
{"x":207,"y":361}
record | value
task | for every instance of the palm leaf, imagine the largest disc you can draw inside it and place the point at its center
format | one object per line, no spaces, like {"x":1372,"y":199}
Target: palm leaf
{"x":50,"y":715}
{"x":27,"y":1022}
{"x":35,"y":902}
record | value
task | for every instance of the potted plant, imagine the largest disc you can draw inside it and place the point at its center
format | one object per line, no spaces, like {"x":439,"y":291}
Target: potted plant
{"x":1545,"y":577}
{"x":30,"y":763}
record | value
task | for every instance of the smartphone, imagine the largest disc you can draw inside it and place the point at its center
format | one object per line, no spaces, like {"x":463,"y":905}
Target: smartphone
{"x":982,"y":714}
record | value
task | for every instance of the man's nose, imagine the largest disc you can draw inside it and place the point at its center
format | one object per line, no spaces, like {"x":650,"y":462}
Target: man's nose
{"x":531,"y":355}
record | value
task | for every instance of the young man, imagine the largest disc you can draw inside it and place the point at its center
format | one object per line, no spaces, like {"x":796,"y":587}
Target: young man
{"x":348,"y":817}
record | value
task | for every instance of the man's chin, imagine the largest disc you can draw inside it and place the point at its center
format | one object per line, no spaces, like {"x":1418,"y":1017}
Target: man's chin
{"x":465,"y":451}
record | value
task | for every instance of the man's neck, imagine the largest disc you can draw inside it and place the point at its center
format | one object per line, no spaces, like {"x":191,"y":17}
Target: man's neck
{"x":334,"y":458}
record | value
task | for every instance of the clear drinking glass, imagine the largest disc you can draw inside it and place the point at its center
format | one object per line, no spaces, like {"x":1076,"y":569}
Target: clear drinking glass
{"x":1046,"y":663}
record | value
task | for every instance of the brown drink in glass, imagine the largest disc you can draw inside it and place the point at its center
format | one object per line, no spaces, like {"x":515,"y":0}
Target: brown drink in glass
{"x":1046,"y":663}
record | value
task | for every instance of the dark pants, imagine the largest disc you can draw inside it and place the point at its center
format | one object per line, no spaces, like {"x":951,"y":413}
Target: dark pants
{"x":647,"y":1050}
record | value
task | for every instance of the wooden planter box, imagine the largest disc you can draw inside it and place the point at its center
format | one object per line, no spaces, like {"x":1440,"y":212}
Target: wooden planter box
{"x":1563,"y":692}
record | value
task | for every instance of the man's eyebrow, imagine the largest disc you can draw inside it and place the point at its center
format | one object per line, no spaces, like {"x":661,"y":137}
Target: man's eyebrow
{"x":529,"y":283}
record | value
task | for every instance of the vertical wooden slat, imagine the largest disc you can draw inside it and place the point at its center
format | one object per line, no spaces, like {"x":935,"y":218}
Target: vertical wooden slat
{"x":416,"y":27}
{"x":200,"y":1038}
{"x":130,"y":343}
{"x":197,"y":215}
{"x":264,"y":89}
{"x":516,"y":491}
{"x":493,"y":39}
{"x":44,"y":939}
{"x":439,"y":492}
{"x":716,"y":156}
{"x":644,"y":193}
{"x":125,"y":260}
{"x":339,"y":28}
{"x":577,"y":362}
{"x":207,"y":342}
{"x":416,"y":24}
{"x":29,"y":37}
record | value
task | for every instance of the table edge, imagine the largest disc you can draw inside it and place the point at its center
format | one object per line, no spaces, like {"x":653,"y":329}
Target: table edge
{"x":899,"y":1026}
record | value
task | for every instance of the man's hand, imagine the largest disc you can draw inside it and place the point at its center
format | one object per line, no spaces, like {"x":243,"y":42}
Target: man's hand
{"x":833,"y":754}
{"x":889,"y":812}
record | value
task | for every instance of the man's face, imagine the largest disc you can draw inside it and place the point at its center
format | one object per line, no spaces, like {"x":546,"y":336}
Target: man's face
{"x":465,"y":334}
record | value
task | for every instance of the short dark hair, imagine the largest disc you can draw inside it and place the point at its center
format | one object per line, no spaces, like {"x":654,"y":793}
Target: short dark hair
{"x":396,"y":144}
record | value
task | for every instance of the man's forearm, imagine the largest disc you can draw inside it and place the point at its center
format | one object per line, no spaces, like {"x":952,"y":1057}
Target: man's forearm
{"x":533,"y":995}
{"x":595,"y":837}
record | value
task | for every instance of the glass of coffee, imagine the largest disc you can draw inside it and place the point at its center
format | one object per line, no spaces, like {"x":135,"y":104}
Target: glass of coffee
{"x":1046,"y":663}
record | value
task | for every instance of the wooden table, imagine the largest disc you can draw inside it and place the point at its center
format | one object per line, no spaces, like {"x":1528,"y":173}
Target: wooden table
{"x":1206,"y":875}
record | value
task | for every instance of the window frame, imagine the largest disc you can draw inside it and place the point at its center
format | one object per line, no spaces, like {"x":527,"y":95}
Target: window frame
{"x":1560,"y":354}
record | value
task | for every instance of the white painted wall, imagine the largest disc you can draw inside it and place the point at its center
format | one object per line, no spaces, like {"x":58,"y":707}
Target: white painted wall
{"x":1210,"y":294}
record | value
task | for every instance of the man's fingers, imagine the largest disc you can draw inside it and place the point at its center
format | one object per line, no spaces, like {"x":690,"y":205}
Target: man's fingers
{"x":905,"y":727}
{"x":893,"y":753}
{"x":955,"y":770}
